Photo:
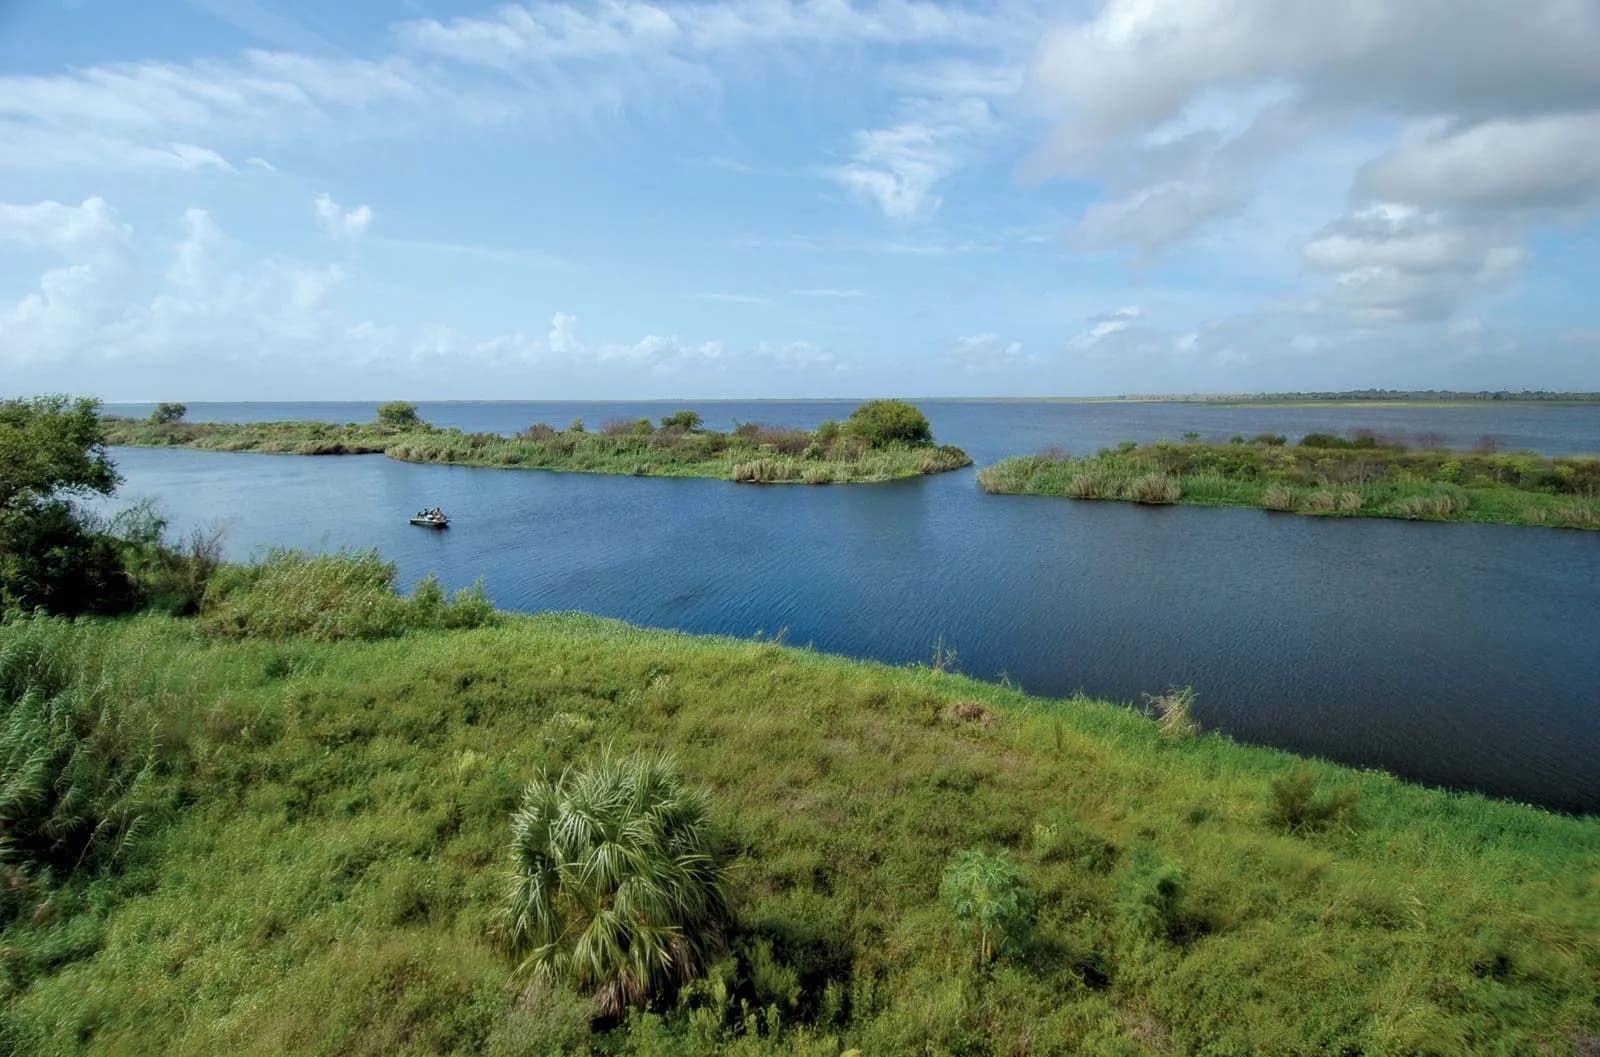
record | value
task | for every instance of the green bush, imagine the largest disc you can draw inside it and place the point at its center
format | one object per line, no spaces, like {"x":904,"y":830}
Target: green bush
{"x":618,"y":882}
{"x":989,"y":894}
{"x":1296,"y":808}
{"x":1149,"y":895}
{"x":884,"y":422}
{"x":683,"y":421}
{"x":166,"y":414}
{"x":399,"y":414}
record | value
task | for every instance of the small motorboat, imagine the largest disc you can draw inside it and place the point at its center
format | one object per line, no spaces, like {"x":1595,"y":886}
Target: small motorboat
{"x":432,"y":519}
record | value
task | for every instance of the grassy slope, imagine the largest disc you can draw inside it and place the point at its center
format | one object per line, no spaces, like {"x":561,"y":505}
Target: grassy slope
{"x":1514,"y":489}
{"x":664,"y":454}
{"x":327,"y":886}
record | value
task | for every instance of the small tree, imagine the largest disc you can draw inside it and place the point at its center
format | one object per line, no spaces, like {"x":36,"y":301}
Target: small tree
{"x":399,"y":414}
{"x":686,"y":421}
{"x":617,"y":882}
{"x":164,"y":414}
{"x":883,"y":422}
{"x":51,"y":449}
{"x":988,"y":891}
{"x":576,"y":426}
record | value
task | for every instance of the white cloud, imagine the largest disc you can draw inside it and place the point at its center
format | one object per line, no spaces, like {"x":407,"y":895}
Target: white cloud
{"x":534,"y":34}
{"x":976,"y":353}
{"x":1550,"y":160}
{"x":216,"y":313}
{"x":1114,"y":322}
{"x":1396,"y":263}
{"x":341,"y":223}
{"x":90,"y":230}
{"x":899,"y":166}
{"x":1138,"y":62}
{"x":1179,"y":108}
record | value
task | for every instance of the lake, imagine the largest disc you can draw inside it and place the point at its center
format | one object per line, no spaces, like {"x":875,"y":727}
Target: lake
{"x":1461,"y":655}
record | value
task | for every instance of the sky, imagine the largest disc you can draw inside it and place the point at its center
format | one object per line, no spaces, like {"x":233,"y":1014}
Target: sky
{"x":431,"y":199}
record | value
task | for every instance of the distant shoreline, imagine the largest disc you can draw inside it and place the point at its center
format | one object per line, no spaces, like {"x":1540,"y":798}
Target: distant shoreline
{"x":1200,"y":399}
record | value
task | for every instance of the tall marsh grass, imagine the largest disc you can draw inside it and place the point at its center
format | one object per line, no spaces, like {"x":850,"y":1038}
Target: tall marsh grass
{"x":1365,"y":476}
{"x":331,"y":597}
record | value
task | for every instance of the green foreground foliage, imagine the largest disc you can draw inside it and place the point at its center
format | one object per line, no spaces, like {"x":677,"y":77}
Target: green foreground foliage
{"x":283,"y":838}
{"x":1323,"y":474}
{"x":881,"y":440}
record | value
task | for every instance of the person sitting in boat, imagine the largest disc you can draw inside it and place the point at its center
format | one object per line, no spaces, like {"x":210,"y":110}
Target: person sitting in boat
{"x":437,"y":515}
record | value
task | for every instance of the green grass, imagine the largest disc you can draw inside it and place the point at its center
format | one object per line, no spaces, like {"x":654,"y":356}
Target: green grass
{"x":755,"y":455}
{"x":1352,"y":480}
{"x":325,"y":876}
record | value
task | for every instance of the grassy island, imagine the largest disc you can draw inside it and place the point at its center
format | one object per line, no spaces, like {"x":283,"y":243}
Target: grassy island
{"x":880,"y":441}
{"x":290,"y":825}
{"x":1362,"y":475}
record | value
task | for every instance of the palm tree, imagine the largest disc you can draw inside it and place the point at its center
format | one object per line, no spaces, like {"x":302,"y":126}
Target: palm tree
{"x":617,"y":883}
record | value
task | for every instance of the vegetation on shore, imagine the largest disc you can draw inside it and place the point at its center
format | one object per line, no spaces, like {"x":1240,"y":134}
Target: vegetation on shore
{"x":1362,"y":475}
{"x":881,"y":440}
{"x":313,"y":816}
{"x":318,"y":842}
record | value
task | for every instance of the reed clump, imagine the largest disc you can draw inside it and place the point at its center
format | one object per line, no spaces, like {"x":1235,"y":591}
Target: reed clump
{"x":1155,"y":488}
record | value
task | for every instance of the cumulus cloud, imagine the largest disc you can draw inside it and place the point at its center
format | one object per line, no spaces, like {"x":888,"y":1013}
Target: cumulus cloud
{"x":90,"y":230}
{"x":210,"y":309}
{"x":1539,"y":162}
{"x":1396,"y":263}
{"x":1178,"y":109}
{"x":341,"y":223}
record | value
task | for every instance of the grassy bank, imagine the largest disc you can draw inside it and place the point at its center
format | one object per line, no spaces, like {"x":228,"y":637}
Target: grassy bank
{"x":310,"y":859}
{"x":1326,"y":475}
{"x":835,"y":453}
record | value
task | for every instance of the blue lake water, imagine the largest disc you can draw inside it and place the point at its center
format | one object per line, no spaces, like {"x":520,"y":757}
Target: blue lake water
{"x":1462,"y":655}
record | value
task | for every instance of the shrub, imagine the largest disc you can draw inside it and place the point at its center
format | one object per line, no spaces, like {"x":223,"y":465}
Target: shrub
{"x":1271,"y":440}
{"x":617,"y":884}
{"x":883,"y":422}
{"x":164,"y":414}
{"x":989,"y":893}
{"x":827,"y":432}
{"x":1149,"y":895}
{"x":540,"y":431}
{"x":575,"y":426}
{"x":1155,"y":488}
{"x":399,"y":414}
{"x":1296,"y":808}
{"x":51,"y":559}
{"x":683,"y":421}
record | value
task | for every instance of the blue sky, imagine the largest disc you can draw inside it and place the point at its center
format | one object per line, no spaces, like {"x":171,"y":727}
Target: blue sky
{"x":235,"y":199}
